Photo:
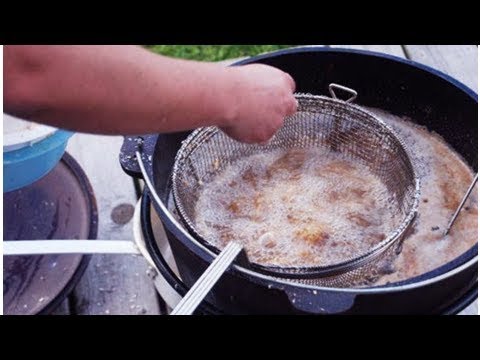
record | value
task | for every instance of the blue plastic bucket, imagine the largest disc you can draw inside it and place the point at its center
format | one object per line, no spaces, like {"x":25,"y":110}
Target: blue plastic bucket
{"x":26,"y":165}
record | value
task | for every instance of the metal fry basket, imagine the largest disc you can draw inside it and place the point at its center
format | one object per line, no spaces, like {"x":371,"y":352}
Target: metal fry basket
{"x":334,"y":125}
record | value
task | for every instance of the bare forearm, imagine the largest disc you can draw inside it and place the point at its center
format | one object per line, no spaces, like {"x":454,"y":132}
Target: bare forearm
{"x":115,"y":89}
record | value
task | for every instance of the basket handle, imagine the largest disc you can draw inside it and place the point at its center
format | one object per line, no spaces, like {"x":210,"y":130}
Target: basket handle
{"x":332,"y":87}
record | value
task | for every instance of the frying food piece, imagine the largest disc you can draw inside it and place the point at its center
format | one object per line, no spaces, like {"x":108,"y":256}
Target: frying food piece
{"x":313,"y":235}
{"x":250,"y":177}
{"x":250,"y":208}
{"x":359,"y":193}
{"x":339,"y":167}
{"x":378,"y":237}
{"x":291,"y":162}
{"x":237,"y":206}
{"x":267,"y":240}
{"x":358,"y":219}
{"x":307,"y":256}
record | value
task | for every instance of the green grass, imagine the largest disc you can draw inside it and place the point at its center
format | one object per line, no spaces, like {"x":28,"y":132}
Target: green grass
{"x":213,"y":52}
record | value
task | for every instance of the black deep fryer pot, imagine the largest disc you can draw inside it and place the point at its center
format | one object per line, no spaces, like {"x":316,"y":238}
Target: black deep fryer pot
{"x":399,"y":86}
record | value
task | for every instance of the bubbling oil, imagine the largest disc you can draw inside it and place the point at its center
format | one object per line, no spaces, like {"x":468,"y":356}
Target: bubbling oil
{"x":296,"y":207}
{"x":444,"y":178}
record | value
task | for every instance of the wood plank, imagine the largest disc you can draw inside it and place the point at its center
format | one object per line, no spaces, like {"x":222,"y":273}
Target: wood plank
{"x":386,"y":49}
{"x":112,"y":284}
{"x":458,"y":61}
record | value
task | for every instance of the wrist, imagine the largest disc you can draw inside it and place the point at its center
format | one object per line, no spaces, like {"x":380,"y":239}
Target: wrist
{"x":229,"y":97}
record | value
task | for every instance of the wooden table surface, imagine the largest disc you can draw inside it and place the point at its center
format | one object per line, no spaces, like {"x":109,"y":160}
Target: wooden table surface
{"x":119,"y":284}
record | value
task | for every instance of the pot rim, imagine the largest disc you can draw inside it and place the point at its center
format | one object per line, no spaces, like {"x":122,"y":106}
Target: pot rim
{"x":208,"y":255}
{"x":316,"y":48}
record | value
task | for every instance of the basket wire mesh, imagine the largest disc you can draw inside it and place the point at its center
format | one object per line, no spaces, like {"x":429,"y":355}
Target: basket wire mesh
{"x":334,"y":125}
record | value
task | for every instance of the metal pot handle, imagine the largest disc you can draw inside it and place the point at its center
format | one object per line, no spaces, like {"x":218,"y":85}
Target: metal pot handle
{"x":127,"y":158}
{"x":322,"y":302}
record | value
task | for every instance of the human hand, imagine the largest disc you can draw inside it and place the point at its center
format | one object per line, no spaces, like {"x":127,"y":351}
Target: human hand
{"x":260,"y":98}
